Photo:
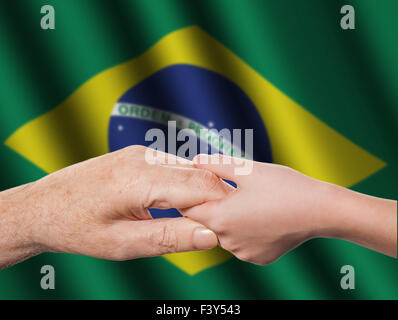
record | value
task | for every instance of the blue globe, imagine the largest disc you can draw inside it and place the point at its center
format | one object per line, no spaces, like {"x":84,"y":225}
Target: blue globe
{"x":200,"y":95}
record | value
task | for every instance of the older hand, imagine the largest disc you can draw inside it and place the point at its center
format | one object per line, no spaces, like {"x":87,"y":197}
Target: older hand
{"x":100,"y":208}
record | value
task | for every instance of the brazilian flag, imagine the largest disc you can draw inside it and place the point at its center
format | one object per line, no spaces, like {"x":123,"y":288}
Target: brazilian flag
{"x":320,"y":99}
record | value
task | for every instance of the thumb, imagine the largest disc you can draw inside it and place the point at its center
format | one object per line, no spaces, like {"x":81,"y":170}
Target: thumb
{"x":149,"y":238}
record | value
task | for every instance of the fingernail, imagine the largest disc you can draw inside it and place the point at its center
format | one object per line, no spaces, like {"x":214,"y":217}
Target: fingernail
{"x":204,"y":239}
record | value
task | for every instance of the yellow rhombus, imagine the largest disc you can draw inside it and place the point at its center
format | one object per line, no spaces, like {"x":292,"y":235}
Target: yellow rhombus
{"x":77,"y":129}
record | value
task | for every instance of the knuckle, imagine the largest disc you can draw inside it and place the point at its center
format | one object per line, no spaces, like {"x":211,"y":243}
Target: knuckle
{"x":166,"y":239}
{"x":147,"y":196}
{"x":208,"y":181}
{"x":135,"y":149}
{"x":124,"y":156}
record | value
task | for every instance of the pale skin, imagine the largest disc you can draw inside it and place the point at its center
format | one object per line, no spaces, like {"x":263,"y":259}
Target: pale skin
{"x":100,"y":208}
{"x":274,"y":209}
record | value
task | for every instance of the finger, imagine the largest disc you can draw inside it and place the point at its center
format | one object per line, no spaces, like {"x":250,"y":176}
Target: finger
{"x":231,"y":168}
{"x":203,"y":213}
{"x":163,"y":158}
{"x":177,"y":187}
{"x":161,"y":236}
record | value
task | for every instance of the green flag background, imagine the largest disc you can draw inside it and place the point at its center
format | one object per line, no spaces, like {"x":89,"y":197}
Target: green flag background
{"x":348,"y":79}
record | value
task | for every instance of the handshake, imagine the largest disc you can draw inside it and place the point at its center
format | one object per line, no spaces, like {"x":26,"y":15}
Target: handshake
{"x":100,"y":208}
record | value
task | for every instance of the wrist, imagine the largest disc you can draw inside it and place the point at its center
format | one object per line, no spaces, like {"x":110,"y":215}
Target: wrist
{"x":365,"y":220}
{"x":16,"y":226}
{"x":330,"y":220}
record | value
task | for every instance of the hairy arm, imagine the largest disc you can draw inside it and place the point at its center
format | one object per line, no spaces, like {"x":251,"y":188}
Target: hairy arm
{"x":99,"y":208}
{"x":15,"y":238}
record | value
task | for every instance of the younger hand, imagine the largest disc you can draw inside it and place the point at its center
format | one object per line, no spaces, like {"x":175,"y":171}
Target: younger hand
{"x":275,"y":208}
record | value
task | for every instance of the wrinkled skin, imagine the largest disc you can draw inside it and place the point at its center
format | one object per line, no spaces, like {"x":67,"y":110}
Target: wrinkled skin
{"x":99,"y":208}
